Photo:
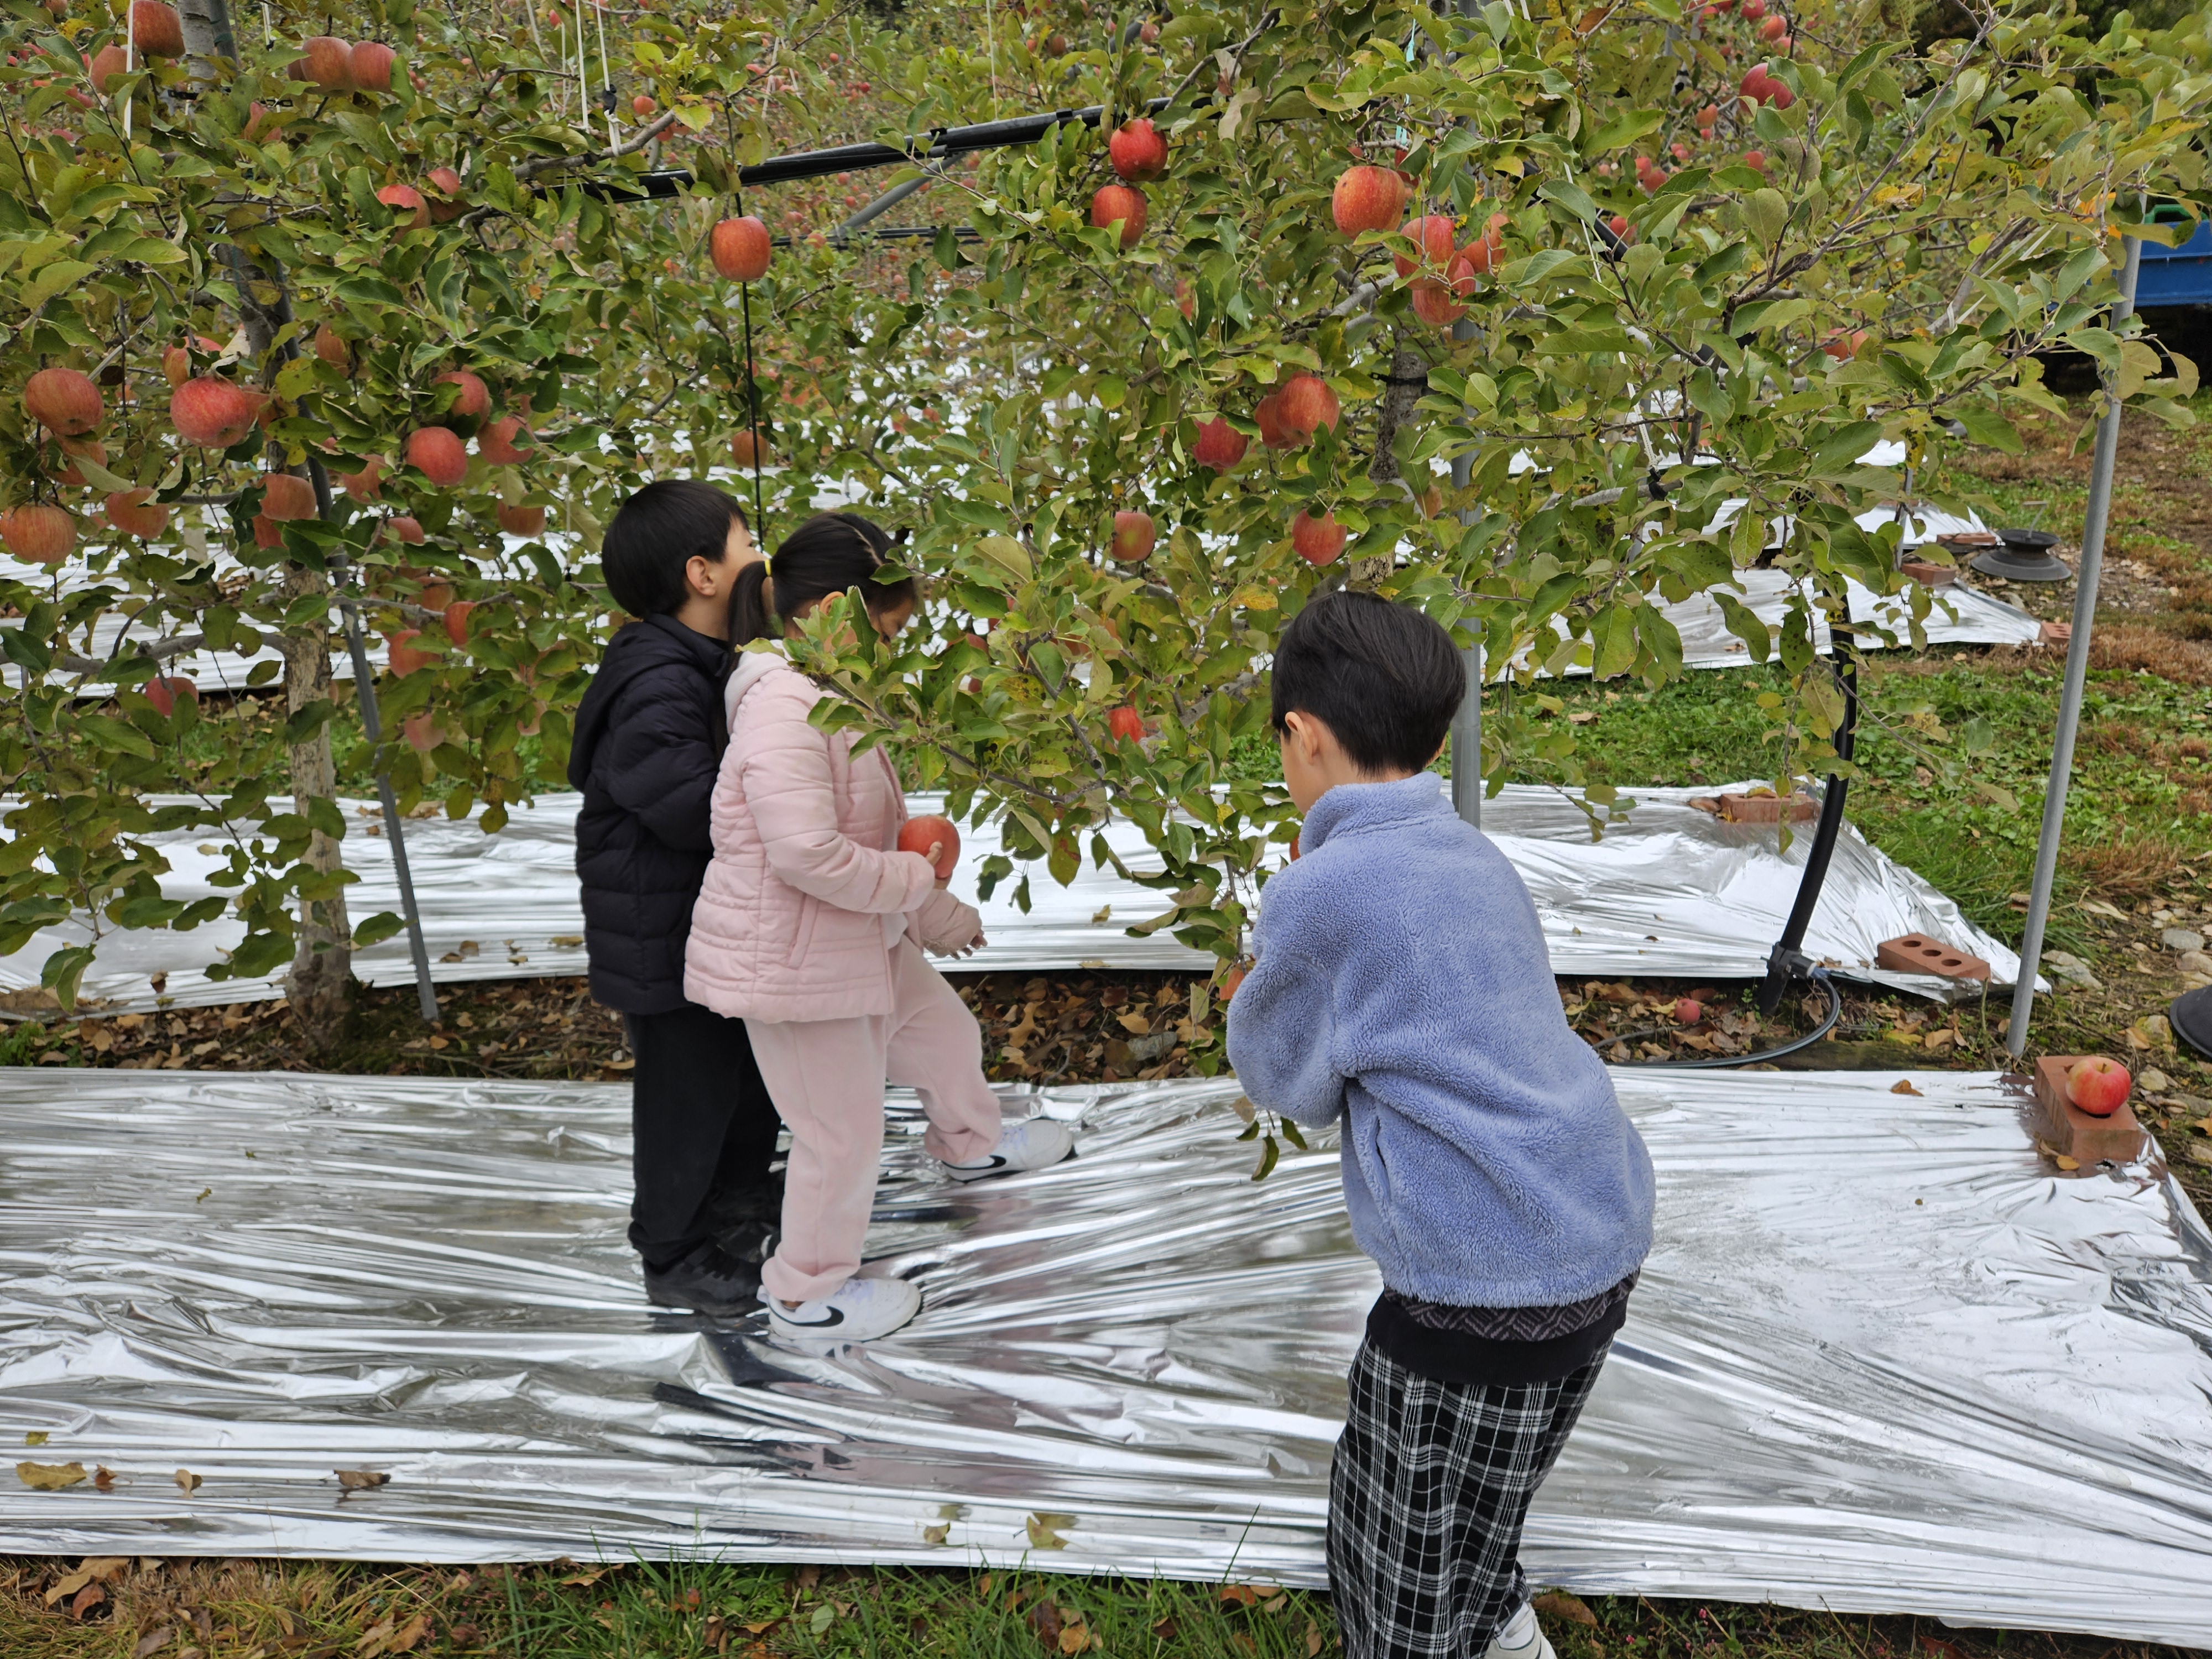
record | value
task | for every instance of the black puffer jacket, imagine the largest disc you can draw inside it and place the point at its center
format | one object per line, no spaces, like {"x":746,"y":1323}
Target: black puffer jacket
{"x":650,"y":734}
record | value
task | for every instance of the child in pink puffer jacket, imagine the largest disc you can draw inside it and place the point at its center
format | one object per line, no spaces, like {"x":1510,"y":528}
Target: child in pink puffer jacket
{"x":810,"y":926}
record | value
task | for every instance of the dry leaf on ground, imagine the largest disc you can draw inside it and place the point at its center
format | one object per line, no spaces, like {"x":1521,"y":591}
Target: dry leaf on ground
{"x":188,"y":1482}
{"x":1557,"y":1604}
{"x":362,"y":1479}
{"x":49,"y":1477}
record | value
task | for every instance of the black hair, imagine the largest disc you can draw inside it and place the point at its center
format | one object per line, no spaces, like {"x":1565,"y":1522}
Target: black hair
{"x":1384,"y":678}
{"x":656,"y":533}
{"x":830,"y":553}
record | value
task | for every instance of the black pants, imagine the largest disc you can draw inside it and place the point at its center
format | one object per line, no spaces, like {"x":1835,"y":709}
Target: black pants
{"x":704,"y":1130}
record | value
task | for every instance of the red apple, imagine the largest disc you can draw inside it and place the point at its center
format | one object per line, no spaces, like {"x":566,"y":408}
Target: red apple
{"x":1774,"y":28}
{"x":1752,"y":10}
{"x":156,"y":30}
{"x":1688,"y":1011}
{"x":457,"y":620}
{"x":1306,"y":402}
{"x":1756,"y":160}
{"x":363,"y":485}
{"x":164,"y":690}
{"x":1228,"y":984}
{"x":407,"y":203}
{"x":405,"y":528}
{"x":37,"y":532}
{"x":740,"y":249}
{"x":1433,"y":303}
{"x":1317,"y":541}
{"x":1268,"y":414}
{"x":1435,"y":234}
{"x":2098,"y":1084}
{"x":268,"y":534}
{"x":745,"y":448}
{"x":369,"y":66}
{"x":64,"y":401}
{"x":448,"y":184}
{"x":108,"y":63}
{"x":403,"y":657}
{"x":214,"y":413}
{"x":1124,"y":202}
{"x":920,"y":835}
{"x":176,"y":366}
{"x":437,"y":454}
{"x":1126,"y":725}
{"x":285,"y":495}
{"x":473,"y":401}
{"x":1137,"y":152}
{"x":333,"y":350}
{"x":1842,"y":347}
{"x":1133,"y":538}
{"x":641,"y":105}
{"x":524,"y":521}
{"x":129,"y":511}
{"x":80,"y":449}
{"x":1367,"y":198}
{"x":1220,"y":446}
{"x":422,"y":731}
{"x":328,"y":63}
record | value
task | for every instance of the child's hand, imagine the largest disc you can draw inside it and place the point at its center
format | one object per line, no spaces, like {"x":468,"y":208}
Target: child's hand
{"x":936,"y":857}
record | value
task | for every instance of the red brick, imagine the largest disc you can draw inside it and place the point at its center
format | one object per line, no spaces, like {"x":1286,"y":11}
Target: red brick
{"x":2065,"y":1127}
{"x":1930,"y":576}
{"x":2052,"y":633}
{"x":1767,"y":808}
{"x":1916,"y":953}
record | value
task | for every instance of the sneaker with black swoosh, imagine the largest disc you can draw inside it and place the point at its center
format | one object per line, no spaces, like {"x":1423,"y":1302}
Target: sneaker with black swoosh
{"x":1032,"y":1143}
{"x":858,"y":1310}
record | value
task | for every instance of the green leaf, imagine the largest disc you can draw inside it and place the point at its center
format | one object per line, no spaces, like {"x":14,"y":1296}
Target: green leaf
{"x":377,"y":929}
{"x":1986,"y":426}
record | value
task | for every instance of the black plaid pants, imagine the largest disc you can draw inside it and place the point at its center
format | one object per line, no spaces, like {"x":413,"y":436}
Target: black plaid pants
{"x":1429,"y":1488}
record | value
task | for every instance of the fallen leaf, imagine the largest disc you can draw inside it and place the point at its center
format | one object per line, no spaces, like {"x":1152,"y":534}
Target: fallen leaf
{"x":35,"y":1437}
{"x":1074,"y":1638}
{"x":1903,"y":1086}
{"x":49,"y":1477}
{"x":190,"y":1482}
{"x":585,"y":1580}
{"x":1557,"y":1604}
{"x":1136,"y":1023}
{"x":823,"y":1618}
{"x":103,"y":1479}
{"x":1043,"y":1530}
{"x":809,"y":1575}
{"x":761,"y":1626}
{"x":153,"y":1641}
{"x":86,"y":1599}
{"x":938,"y":1533}
{"x":362,"y":1479}
{"x":1044,"y":1619}
{"x":69,"y":1586}
{"x":1243,"y":1595}
{"x":1313,"y":1639}
{"x":1103,"y":914}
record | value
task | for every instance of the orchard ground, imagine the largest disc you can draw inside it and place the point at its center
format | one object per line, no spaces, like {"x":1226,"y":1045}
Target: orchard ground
{"x":2138,"y":865}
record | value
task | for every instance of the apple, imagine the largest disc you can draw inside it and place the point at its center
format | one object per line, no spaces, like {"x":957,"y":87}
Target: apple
{"x":37,"y":532}
{"x":641,"y":105}
{"x":64,"y":401}
{"x":285,"y":495}
{"x":1317,"y":541}
{"x":407,"y":203}
{"x":1055,"y":46}
{"x":263,"y":122}
{"x":1775,"y":29}
{"x":163,"y":690}
{"x":176,"y":366}
{"x":437,"y":454}
{"x":2098,"y":1084}
{"x":328,"y":63}
{"x":407,"y":528}
{"x":1367,"y":198}
{"x":156,"y":30}
{"x":435,"y":591}
{"x":1126,"y":725}
{"x":1220,"y":446}
{"x":268,"y":534}
{"x":524,"y":521}
{"x":1306,"y":402}
{"x":80,"y":449}
{"x":1619,"y":226}
{"x":1149,"y":32}
{"x":1124,"y":202}
{"x":1756,"y":160}
{"x":929,"y":832}
{"x":1688,"y":1011}
{"x":107,"y":63}
{"x":405,"y":659}
{"x":1435,"y":234}
{"x":1268,"y":414}
{"x":457,"y":620}
{"x":1753,"y":10}
{"x":214,"y":413}
{"x":363,"y":485}
{"x":495,"y":443}
{"x":1235,"y":978}
{"x":447,"y":183}
{"x":1433,"y":303}
{"x":332,"y":348}
{"x":128,"y":512}
{"x":473,"y":402}
{"x":745,"y":448}
{"x":1842,"y":347}
{"x":1186,"y":301}
{"x":1133,"y":538}
{"x":422,"y":731}
{"x":370,"y":66}
{"x":1137,"y":152}
{"x":740,"y":249}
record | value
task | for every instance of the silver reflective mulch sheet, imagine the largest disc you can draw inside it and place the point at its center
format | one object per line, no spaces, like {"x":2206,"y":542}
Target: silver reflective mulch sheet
{"x":1670,"y":889}
{"x":1882,"y":1358}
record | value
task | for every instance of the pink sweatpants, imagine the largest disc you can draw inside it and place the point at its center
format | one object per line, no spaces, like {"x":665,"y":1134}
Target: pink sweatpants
{"x":827,"y":1077}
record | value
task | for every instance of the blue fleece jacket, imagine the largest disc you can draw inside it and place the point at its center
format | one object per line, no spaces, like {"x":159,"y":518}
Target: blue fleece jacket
{"x":1403,"y":984}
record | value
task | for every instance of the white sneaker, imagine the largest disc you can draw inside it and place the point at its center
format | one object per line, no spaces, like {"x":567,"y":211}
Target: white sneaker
{"x":1032,"y":1143}
{"x":1521,"y":1637}
{"x":858,"y":1310}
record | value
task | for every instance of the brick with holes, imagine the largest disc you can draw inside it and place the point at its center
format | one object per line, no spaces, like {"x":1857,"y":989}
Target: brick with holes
{"x":2066,"y":1128}
{"x":1917,"y":953}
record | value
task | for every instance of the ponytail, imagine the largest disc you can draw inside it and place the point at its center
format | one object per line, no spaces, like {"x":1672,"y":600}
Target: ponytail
{"x":751,"y":616}
{"x":832,"y":553}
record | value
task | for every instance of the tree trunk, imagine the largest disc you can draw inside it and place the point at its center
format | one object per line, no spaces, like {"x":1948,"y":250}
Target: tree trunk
{"x":1409,"y":381}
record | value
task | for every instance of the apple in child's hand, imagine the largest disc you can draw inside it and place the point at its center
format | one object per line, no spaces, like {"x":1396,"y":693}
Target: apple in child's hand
{"x":2099,"y":1086}
{"x":936,"y":839}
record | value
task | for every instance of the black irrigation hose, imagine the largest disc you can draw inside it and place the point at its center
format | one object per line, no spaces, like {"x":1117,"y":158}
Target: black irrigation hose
{"x":1717,"y":1062}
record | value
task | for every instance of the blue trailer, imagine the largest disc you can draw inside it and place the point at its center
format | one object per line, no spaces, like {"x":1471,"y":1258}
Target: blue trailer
{"x":2176,"y":276}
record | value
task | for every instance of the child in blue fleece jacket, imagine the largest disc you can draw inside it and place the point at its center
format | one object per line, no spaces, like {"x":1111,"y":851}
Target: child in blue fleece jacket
{"x":1402,"y":986}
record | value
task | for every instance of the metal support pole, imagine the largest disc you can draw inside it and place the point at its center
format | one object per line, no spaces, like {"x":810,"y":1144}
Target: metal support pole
{"x":1467,"y":724}
{"x":2077,"y":671}
{"x":884,"y":203}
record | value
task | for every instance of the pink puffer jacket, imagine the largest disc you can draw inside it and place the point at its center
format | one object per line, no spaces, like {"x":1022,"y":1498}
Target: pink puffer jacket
{"x":807,"y":891}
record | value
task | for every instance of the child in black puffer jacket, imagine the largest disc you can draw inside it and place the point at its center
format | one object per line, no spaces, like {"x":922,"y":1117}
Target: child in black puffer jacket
{"x":649,"y":738}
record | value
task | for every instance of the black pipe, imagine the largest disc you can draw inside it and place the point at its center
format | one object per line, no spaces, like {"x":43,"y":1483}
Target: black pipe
{"x":1788,"y":961}
{"x":941,"y":142}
